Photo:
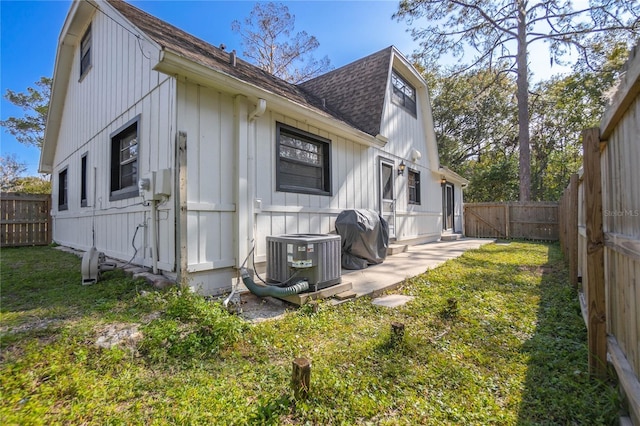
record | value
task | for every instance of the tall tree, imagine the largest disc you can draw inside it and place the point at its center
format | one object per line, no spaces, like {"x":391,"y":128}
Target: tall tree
{"x":269,"y":42}
{"x":10,"y":171}
{"x":501,"y":31}
{"x":29,"y":129}
{"x":562,"y":107}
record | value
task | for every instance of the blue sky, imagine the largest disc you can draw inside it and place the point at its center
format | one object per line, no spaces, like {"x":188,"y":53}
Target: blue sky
{"x":346,"y":30}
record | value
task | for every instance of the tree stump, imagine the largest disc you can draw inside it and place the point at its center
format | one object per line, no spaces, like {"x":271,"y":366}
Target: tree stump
{"x":301,"y":378}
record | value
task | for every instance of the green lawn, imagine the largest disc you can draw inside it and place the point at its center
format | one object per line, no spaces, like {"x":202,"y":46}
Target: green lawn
{"x":493,"y":337}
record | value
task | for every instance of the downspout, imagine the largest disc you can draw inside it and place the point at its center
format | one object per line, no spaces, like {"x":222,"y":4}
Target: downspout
{"x":259,"y":110}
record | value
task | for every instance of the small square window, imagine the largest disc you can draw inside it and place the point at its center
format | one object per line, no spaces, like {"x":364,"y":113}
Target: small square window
{"x":85,"y":52}
{"x":303,"y":162}
{"x":414,"y":187}
{"x":403,"y":94}
{"x":63,"y":200}
{"x":124,"y":162}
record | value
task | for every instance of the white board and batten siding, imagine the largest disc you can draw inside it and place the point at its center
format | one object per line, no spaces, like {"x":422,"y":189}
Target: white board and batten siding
{"x":406,"y":133}
{"x":119,"y":86}
{"x":206,"y":115}
{"x":223,"y":219}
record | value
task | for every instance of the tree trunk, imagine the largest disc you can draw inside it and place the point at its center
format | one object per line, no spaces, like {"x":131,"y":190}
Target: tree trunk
{"x":523,"y":104}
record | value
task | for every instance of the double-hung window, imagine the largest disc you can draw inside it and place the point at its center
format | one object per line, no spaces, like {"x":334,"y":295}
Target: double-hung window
{"x":303,"y":163}
{"x":124,"y":161}
{"x":414,"y":186}
{"x":85,"y":52}
{"x":83,"y":181}
{"x":404,"y":94}
{"x":63,"y":195}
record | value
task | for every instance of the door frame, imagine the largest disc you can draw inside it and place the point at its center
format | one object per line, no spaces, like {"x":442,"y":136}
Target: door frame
{"x":390,"y":217}
{"x":448,"y":201}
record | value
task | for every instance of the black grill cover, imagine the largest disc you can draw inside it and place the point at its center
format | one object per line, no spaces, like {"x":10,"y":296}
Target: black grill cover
{"x":365,"y":238}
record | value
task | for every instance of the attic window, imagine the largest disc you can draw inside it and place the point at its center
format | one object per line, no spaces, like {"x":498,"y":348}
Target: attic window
{"x":404,"y":94}
{"x":85,"y":52}
{"x":303,"y":162}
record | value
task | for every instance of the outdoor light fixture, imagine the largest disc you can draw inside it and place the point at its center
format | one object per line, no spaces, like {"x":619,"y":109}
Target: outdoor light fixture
{"x":443,"y":180}
{"x":401,"y":168}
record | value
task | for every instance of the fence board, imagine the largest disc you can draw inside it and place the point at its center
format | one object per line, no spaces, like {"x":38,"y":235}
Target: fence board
{"x":24,"y":219}
{"x":615,"y":152}
{"x":533,"y":221}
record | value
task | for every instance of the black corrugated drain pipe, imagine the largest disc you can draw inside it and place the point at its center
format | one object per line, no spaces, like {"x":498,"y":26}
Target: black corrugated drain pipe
{"x":273,"y":291}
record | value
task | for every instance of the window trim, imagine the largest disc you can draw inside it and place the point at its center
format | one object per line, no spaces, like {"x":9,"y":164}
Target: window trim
{"x":88,"y":37}
{"x":418,"y":200}
{"x":399,"y":97}
{"x":131,"y":190}
{"x":63,"y":191}
{"x":83,"y":179}
{"x":324,"y":143}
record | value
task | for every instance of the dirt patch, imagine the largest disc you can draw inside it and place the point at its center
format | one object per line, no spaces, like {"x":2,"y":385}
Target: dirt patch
{"x":38,"y":324}
{"x":257,"y":309}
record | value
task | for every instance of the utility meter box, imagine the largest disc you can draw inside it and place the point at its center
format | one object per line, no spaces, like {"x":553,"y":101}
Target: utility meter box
{"x":155,"y":185}
{"x":311,"y":257}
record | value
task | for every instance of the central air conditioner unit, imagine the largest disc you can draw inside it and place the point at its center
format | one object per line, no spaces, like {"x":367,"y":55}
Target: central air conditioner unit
{"x":311,"y":257}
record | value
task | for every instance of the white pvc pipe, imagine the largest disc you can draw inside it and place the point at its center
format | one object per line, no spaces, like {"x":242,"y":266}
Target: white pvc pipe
{"x":154,"y":236}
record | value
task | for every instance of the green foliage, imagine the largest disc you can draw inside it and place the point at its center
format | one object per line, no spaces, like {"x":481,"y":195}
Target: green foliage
{"x":29,"y":129}
{"x":190,"y":328}
{"x":10,"y":171}
{"x":496,"y":35}
{"x":514,"y":353}
{"x":475,"y":126}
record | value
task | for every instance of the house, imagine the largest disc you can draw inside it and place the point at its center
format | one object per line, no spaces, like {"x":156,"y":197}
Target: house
{"x":171,"y":153}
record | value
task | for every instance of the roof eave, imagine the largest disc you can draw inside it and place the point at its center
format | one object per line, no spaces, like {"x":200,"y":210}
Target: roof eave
{"x":79,"y":14}
{"x":173,"y":63}
{"x":452,"y":176}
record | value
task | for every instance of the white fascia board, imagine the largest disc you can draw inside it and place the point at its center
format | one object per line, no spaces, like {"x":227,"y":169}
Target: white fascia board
{"x":173,"y":63}
{"x":451,"y":176}
{"x":79,"y":14}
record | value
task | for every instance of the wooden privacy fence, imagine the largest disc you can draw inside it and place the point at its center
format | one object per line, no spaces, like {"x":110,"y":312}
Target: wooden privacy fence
{"x":600,"y":237}
{"x":25,"y":219}
{"x":531,"y":221}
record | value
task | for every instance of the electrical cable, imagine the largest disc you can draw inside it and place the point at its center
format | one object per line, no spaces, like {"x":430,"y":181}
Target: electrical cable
{"x":135,"y":249}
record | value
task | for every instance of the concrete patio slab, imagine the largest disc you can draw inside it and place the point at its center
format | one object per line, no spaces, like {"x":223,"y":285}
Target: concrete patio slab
{"x":377,"y":279}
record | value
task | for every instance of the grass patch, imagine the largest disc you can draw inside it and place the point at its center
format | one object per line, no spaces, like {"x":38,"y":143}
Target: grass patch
{"x":493,"y":337}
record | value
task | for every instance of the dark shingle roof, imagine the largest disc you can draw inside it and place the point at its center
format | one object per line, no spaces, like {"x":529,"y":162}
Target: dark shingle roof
{"x":353,"y":94}
{"x":356,"y":90}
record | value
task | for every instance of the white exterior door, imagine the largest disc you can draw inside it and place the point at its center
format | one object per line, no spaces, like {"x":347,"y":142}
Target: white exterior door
{"x":387,"y":195}
{"x":448,"y":207}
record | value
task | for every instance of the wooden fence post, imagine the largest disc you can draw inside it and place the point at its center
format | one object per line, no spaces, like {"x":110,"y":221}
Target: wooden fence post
{"x":397,"y":333}
{"x":596,"y":308}
{"x":301,"y":377}
{"x":571,"y":241}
